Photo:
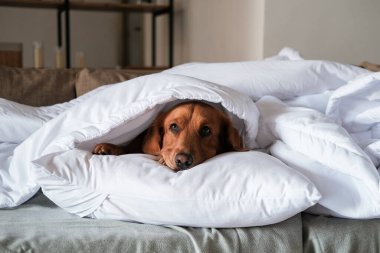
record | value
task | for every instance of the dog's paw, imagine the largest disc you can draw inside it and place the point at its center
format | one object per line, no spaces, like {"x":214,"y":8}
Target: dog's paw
{"x":162,"y":160}
{"x":107,"y":149}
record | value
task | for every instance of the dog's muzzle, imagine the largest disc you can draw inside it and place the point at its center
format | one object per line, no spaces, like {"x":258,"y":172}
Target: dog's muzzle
{"x":183,"y":161}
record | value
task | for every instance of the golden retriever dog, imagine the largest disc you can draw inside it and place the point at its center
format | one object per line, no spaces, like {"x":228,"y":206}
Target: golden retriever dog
{"x":183,"y":137}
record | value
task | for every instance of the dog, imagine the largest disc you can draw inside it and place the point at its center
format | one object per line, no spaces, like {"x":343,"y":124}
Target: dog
{"x":183,"y":137}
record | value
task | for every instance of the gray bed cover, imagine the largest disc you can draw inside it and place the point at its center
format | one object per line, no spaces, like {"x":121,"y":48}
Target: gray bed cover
{"x":41,"y":226}
{"x":327,"y":234}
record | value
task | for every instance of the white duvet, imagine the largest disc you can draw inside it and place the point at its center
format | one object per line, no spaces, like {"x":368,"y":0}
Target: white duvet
{"x":319,"y":121}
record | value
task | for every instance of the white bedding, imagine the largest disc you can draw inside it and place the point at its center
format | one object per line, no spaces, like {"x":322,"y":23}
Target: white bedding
{"x":326,"y":113}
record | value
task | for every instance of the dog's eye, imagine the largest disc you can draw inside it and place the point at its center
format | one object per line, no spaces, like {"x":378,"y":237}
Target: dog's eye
{"x":174,"y":128}
{"x":205,"y":131}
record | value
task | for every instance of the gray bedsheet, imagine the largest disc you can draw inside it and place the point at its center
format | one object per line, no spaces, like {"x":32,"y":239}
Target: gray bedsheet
{"x":327,"y":234}
{"x":40,"y":226}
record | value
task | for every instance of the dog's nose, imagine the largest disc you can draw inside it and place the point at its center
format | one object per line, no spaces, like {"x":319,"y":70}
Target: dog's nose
{"x":183,"y":160}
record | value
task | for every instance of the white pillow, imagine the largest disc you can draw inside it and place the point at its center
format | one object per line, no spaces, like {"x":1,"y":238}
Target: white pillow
{"x":237,"y":189}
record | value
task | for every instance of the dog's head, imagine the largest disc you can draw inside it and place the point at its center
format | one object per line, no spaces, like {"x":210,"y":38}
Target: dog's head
{"x":189,"y":134}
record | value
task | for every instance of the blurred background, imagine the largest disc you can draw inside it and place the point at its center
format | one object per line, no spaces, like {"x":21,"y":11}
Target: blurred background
{"x":203,"y":30}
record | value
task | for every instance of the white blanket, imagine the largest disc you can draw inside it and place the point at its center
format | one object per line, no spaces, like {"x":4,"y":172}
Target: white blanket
{"x":320,"y":118}
{"x":114,"y":114}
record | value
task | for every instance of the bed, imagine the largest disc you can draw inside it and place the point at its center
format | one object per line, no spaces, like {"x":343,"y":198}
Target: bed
{"x":40,"y":226}
{"x":306,"y":213}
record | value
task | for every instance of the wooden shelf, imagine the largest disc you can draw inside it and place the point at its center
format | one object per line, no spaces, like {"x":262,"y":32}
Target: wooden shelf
{"x":65,"y":6}
{"x":143,"y":7}
{"x":31,"y":3}
{"x":88,"y":6}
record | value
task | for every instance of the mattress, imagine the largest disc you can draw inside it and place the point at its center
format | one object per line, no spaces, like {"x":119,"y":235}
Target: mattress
{"x":41,"y":226}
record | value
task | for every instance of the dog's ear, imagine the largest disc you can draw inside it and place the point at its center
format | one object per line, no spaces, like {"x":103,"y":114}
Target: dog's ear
{"x":230,"y":139}
{"x":234,"y":139}
{"x":153,"y":139}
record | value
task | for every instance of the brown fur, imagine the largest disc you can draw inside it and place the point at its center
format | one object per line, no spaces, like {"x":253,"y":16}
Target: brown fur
{"x":183,"y":137}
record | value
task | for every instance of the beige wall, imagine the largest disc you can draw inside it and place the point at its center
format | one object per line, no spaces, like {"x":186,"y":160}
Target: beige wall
{"x":339,"y":30}
{"x":229,"y":30}
{"x":218,"y":30}
{"x":97,"y":34}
